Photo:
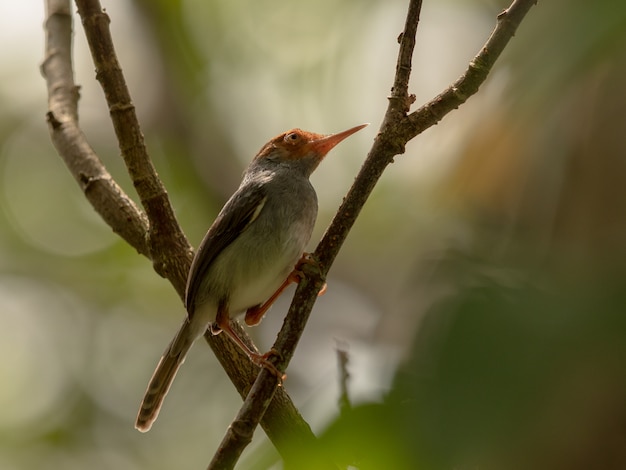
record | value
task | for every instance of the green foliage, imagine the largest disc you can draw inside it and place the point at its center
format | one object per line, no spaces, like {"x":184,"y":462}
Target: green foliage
{"x":500,"y":377}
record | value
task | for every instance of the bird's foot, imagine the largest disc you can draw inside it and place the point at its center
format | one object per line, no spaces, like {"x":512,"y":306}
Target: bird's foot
{"x":298,"y":274}
{"x":262,"y":360}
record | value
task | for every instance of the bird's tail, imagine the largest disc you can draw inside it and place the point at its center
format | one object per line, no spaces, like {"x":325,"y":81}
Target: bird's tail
{"x":163,"y":376}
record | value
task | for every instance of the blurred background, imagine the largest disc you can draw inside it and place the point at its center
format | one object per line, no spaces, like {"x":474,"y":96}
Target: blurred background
{"x":480,"y":297}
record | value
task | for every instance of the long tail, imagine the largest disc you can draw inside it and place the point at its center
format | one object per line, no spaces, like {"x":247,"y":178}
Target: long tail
{"x":163,"y":376}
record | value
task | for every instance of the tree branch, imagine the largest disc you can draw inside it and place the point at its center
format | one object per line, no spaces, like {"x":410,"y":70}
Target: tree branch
{"x":475,"y":75}
{"x":400,"y":101}
{"x":170,"y":252}
{"x":104,"y":194}
{"x":396,"y":130}
{"x":120,"y":212}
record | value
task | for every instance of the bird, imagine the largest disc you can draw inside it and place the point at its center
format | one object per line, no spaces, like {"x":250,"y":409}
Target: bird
{"x":250,"y":253}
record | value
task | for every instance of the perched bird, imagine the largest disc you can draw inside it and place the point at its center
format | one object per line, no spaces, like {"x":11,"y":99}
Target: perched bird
{"x":249,"y":254}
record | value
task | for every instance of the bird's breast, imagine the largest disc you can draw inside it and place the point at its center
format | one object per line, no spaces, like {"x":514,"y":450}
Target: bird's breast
{"x":254,"y":266}
{"x":283,"y":230}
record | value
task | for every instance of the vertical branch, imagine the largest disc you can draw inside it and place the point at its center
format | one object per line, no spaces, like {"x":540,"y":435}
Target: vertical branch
{"x":400,"y":101}
{"x":344,"y":396}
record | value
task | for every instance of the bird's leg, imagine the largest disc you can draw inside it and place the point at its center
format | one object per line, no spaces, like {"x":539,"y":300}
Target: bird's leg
{"x":256,"y":313}
{"x":222,"y":323}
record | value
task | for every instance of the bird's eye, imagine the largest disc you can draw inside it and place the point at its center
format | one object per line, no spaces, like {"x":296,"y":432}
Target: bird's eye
{"x":292,"y":137}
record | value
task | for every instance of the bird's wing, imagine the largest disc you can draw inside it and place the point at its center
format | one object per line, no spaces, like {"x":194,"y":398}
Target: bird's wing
{"x":235,"y":217}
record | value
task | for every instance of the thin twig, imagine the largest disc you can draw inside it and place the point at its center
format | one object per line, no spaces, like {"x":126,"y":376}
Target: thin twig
{"x":342,"y":362}
{"x":400,"y":101}
{"x":396,"y":130}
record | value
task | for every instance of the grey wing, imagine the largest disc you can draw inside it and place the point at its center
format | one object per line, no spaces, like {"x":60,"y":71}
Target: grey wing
{"x":234,"y":218}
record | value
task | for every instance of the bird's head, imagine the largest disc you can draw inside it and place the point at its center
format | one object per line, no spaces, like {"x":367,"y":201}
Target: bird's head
{"x":301,"y":149}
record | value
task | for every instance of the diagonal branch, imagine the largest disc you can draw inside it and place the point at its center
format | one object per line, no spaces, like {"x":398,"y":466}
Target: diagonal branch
{"x":170,"y":251}
{"x":125,"y":218}
{"x":104,"y":194}
{"x":396,"y":130}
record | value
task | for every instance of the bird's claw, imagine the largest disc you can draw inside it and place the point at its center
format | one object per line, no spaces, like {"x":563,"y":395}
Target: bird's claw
{"x":262,"y":360}
{"x":298,"y":274}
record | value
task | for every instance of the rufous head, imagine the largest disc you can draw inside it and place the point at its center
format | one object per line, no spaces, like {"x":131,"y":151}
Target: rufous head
{"x":302,"y":148}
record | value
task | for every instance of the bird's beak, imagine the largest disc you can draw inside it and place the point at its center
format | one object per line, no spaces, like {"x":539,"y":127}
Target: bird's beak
{"x":324,"y":144}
